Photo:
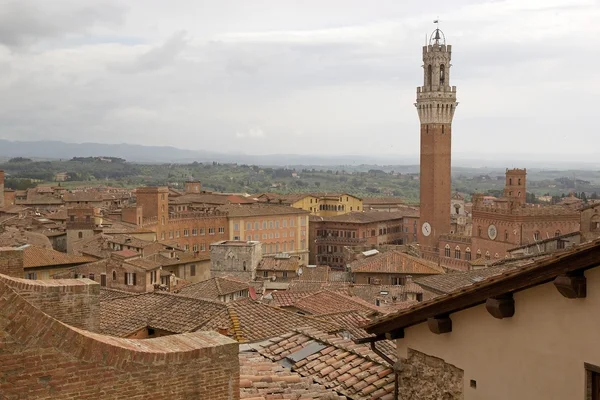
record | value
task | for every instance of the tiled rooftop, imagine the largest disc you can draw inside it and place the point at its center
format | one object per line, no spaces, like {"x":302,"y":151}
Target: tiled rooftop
{"x":249,"y":321}
{"x":325,"y":301}
{"x":336,"y":363}
{"x":397,"y":262}
{"x":177,"y":314}
{"x":272,"y":263}
{"x":35,"y":257}
{"x":262,"y":379}
{"x":111,"y":294}
{"x":213,"y":288}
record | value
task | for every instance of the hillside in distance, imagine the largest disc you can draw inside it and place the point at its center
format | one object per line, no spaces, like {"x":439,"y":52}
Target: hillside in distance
{"x":55,"y":150}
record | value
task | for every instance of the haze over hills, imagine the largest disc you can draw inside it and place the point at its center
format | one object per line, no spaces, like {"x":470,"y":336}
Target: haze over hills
{"x":166,"y":154}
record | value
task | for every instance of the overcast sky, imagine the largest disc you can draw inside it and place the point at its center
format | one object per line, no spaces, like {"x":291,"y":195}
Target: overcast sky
{"x":310,"y":76}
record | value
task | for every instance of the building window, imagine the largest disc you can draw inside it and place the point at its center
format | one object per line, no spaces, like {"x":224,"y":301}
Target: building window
{"x":187,"y":247}
{"x":468,"y":254}
{"x":447,"y":250}
{"x":506,"y":236}
{"x":244,"y":265}
{"x":291,"y":233}
{"x":592,"y":378}
{"x":176,"y":234}
{"x":560,"y":244}
{"x":249,"y":226}
{"x":536,"y":235}
{"x":195,"y":232}
{"x":130,"y":278}
{"x":479,"y":231}
{"x":162,"y":236}
{"x":195,"y":248}
{"x":270,"y":224}
{"x":92,"y":276}
{"x":211,"y":231}
{"x":557,"y":233}
{"x":203,"y":247}
{"x":114,"y":275}
{"x":487,"y":255}
{"x":80,"y":235}
{"x":171,"y":235}
{"x":291,"y":223}
{"x":266,"y":274}
{"x":256,"y":226}
{"x":201,"y":231}
{"x":186,"y":232}
{"x":248,"y":238}
{"x":32,"y":275}
{"x":457,"y":252}
{"x":397,"y":281}
{"x":236,"y":227}
{"x":285,"y":223}
{"x":285,"y":274}
{"x":193,"y":270}
{"x":264,"y":225}
{"x":153,"y":277}
{"x":221,"y":230}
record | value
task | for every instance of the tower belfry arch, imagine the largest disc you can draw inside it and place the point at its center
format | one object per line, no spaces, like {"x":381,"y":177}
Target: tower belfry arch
{"x":436,"y":104}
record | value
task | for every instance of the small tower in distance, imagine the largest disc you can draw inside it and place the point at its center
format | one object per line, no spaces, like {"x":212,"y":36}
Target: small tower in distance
{"x":515,"y":187}
{"x":436,"y":103}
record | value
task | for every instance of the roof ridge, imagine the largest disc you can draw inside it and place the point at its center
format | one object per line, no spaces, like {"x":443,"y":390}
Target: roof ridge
{"x":235,"y":323}
{"x":218,"y":285}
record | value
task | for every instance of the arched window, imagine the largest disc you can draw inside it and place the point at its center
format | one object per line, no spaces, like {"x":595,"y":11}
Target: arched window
{"x":506,"y":236}
{"x":114,"y":275}
{"x":487,"y":255}
{"x":496,"y":255}
{"x":442,"y":75}
{"x":457,"y":252}
{"x":519,"y":181}
{"x":536,"y":235}
{"x":478,"y":253}
{"x":519,"y":194}
{"x":447,"y":250}
{"x":510,"y":181}
{"x":557,"y":233}
{"x":244,"y":265}
{"x":468,"y":254}
{"x":429,"y":76}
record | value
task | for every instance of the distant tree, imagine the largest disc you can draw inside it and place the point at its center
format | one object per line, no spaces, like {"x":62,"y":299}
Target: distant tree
{"x":584,"y":197}
{"x":318,"y":184}
{"x":19,"y":160}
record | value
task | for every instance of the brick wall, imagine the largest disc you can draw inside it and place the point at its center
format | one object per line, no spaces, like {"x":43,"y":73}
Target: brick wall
{"x":74,"y":302}
{"x":44,"y":359}
{"x":11,"y":262}
{"x":133,"y":215}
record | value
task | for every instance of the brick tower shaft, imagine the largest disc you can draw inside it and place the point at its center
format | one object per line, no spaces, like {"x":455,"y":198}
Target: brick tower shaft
{"x":436,"y":103}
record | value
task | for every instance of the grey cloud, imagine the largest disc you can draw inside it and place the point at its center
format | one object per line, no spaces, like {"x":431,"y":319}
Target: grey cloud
{"x":157,"y":57}
{"x":24,"y":23}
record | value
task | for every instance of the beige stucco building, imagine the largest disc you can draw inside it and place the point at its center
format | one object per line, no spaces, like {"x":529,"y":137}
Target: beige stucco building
{"x":530,"y":333}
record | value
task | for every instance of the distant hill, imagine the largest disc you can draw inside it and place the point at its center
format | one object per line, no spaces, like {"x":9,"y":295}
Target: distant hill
{"x":169,"y":154}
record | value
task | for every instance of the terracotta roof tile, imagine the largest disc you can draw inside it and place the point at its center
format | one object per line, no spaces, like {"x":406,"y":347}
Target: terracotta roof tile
{"x":213,"y":288}
{"x":325,"y":301}
{"x":35,"y":257}
{"x":261,"y":379}
{"x":448,"y":283}
{"x":395,"y":261}
{"x":274,"y":263}
{"x":253,"y":321}
{"x":177,"y":314}
{"x":350,"y":369}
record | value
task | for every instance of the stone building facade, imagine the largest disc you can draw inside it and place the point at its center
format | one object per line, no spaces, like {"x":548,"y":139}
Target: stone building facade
{"x":590,"y":222}
{"x":235,"y":258}
{"x":80,"y":224}
{"x":329,"y":236}
{"x":436,"y":104}
{"x":192,"y":231}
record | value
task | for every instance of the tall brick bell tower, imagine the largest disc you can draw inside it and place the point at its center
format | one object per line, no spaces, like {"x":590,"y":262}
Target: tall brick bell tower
{"x":436,"y":102}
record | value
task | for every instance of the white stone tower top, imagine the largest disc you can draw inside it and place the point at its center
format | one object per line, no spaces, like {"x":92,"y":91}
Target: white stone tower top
{"x":436,"y":99}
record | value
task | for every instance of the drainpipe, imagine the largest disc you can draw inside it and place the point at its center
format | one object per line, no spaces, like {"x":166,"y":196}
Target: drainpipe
{"x":392,"y":364}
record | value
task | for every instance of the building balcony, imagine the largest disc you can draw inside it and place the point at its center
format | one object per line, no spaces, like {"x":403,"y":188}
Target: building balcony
{"x":337,"y":239}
